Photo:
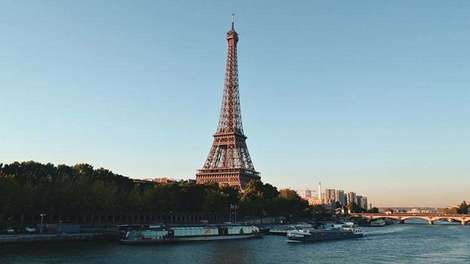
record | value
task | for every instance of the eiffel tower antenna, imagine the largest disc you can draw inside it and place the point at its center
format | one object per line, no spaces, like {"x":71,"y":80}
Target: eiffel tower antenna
{"x":228,"y":161}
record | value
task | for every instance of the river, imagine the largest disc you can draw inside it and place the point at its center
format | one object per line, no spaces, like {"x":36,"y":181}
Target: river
{"x":390,"y":244}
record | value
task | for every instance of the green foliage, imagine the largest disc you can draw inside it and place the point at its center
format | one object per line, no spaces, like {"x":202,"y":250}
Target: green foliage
{"x":452,"y":210}
{"x":355,"y":208}
{"x":63,"y":192}
{"x":260,"y":200}
{"x":31,"y":188}
{"x":321,"y":212}
{"x":463,"y":208}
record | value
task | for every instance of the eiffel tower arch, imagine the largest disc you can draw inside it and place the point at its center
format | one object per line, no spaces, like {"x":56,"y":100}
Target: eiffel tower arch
{"x":228,"y":161}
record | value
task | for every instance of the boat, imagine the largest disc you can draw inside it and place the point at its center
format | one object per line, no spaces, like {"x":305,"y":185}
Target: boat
{"x":166,"y":234}
{"x":282,"y":230}
{"x":263,"y":229}
{"x":378,"y":223}
{"x":327,"y":233}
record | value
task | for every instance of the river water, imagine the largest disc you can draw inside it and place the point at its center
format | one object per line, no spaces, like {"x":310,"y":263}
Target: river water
{"x":390,"y":244}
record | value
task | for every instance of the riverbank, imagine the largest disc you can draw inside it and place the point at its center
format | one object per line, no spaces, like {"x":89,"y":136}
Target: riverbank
{"x":40,"y":238}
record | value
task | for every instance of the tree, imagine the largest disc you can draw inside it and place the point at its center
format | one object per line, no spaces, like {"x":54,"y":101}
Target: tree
{"x":291,"y":204}
{"x":451,"y":210}
{"x":463,"y":208}
{"x":320,"y":212}
{"x":355,"y":208}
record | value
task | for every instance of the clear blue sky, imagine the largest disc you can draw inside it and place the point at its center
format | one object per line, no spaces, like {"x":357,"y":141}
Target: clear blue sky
{"x":366,"y":96}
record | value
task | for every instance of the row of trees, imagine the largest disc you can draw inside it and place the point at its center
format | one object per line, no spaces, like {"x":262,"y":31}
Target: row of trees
{"x":28,"y":189}
{"x":463,"y":208}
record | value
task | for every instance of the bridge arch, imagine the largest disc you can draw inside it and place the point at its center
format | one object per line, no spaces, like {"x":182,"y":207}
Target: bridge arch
{"x":385,"y":217}
{"x":447,"y":218}
{"x":416,"y":217}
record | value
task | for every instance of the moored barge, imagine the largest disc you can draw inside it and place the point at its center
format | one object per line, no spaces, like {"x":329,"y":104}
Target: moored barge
{"x":163,"y":234}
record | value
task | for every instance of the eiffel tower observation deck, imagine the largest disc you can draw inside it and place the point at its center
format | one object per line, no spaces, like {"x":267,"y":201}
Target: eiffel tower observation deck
{"x":229,"y":162}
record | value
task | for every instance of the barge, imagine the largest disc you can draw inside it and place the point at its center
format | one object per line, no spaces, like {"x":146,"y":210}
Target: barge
{"x":163,"y":234}
{"x":325,"y":234}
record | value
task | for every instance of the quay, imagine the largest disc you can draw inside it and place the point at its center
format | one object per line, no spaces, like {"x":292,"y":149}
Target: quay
{"x":402,"y":217}
{"x":28,"y":238}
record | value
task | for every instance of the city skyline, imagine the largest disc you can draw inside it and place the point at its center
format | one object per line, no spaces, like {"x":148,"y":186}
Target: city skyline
{"x":374,"y":100}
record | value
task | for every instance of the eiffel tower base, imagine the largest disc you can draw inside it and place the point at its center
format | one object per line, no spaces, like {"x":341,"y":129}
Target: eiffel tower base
{"x":238,"y":178}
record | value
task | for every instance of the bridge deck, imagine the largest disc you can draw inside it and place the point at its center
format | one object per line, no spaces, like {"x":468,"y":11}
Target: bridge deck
{"x":430,"y":217}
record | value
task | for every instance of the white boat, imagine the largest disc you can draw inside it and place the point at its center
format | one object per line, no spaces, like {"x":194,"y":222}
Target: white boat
{"x":378,"y":223}
{"x":283,"y":229}
{"x":325,"y":234}
{"x":161,"y":234}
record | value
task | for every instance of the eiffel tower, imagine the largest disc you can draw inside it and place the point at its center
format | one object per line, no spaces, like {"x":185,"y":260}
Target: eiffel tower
{"x":229,"y":162}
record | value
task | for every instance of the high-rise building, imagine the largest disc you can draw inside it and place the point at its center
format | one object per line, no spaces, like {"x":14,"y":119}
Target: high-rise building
{"x":362,"y":202}
{"x":229,"y":162}
{"x":340,"y":197}
{"x":308,"y":194}
{"x":351,"y":198}
{"x":330,"y":196}
{"x":365,"y":203}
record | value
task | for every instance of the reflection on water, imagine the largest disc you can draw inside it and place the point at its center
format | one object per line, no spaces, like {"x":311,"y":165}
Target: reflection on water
{"x":390,"y":244}
{"x":219,"y":251}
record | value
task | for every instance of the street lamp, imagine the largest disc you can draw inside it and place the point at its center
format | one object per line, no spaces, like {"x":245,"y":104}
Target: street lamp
{"x":42,"y":215}
{"x":233,"y":207}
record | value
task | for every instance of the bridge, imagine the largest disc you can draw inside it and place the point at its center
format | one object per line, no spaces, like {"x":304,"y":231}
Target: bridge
{"x":429,"y":217}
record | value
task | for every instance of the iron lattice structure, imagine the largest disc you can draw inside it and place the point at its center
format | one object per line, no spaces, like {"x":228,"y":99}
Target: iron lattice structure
{"x":229,"y":162}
